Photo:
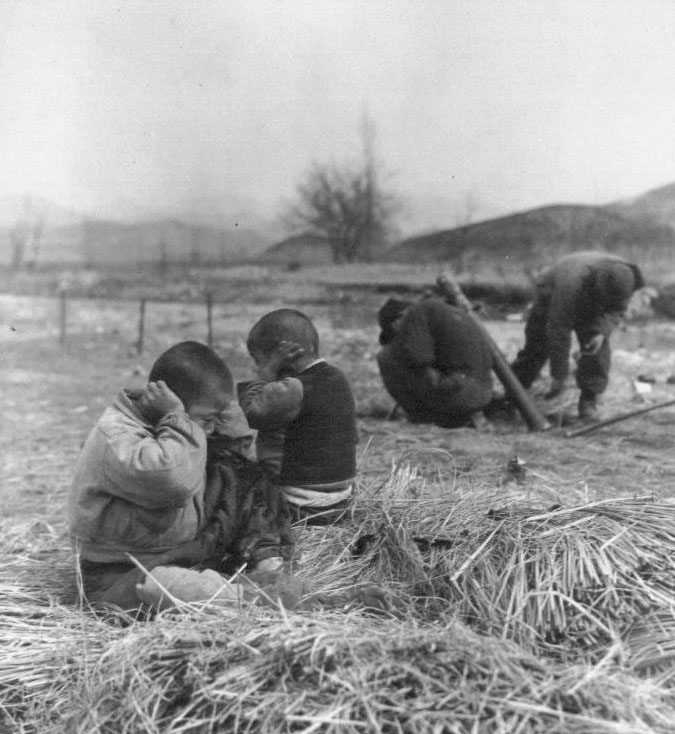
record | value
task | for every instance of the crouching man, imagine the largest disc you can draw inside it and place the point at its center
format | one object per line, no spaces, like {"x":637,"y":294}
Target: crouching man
{"x":435,"y":362}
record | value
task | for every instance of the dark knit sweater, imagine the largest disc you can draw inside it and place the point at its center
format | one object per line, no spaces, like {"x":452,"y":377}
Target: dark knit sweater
{"x":320,"y":444}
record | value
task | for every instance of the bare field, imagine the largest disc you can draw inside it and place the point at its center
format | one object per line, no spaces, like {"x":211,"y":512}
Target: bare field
{"x":53,"y":394}
{"x":414,"y":667}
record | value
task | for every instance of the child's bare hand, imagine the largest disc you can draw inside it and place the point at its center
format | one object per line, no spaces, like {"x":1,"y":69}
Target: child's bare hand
{"x":159,"y":399}
{"x":288,"y":352}
{"x":593,"y":345}
{"x":281,"y":359}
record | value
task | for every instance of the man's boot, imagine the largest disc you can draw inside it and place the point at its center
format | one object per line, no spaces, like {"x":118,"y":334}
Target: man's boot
{"x":588,"y":407}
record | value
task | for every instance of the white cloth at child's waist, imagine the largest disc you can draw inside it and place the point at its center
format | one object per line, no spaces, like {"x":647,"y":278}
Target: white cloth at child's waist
{"x":302,"y":496}
{"x":319,"y":360}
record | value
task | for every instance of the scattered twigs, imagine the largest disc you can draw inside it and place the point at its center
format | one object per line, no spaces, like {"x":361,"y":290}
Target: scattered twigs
{"x":617,"y":419}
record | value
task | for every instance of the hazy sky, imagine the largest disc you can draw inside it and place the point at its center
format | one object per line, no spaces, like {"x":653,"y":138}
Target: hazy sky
{"x":507,"y":104}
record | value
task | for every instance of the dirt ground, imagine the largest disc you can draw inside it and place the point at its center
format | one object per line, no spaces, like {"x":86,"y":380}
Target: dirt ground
{"x":53,"y":393}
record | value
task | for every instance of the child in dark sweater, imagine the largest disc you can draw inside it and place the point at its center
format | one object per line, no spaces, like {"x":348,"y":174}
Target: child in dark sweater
{"x":303,"y":408}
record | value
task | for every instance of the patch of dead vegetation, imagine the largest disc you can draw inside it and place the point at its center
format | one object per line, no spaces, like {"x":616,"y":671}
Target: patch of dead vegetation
{"x":488,"y":611}
{"x":425,"y":653}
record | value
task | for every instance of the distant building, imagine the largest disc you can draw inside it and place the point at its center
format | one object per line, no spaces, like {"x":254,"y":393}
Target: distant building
{"x":298,"y":251}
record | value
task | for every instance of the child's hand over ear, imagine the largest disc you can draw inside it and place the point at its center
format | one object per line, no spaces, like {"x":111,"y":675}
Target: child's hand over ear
{"x":281,"y":359}
{"x":158,"y":400}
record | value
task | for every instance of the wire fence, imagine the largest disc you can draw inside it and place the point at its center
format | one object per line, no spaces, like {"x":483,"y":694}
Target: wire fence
{"x":146,"y":323}
{"x":142,"y":305}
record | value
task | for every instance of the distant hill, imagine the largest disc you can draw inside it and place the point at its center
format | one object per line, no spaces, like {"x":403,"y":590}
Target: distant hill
{"x":233,"y":230}
{"x":657,"y":205}
{"x":54,"y":235}
{"x":534,"y":238}
{"x":15,"y":209}
{"x":166,"y":241}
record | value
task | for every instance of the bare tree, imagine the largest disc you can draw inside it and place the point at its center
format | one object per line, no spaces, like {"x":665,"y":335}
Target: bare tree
{"x":18,"y":236}
{"x":26,"y":236}
{"x":35,"y":240}
{"x":347,"y":204}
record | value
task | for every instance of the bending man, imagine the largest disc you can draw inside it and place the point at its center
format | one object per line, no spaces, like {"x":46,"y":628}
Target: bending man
{"x":585,"y":293}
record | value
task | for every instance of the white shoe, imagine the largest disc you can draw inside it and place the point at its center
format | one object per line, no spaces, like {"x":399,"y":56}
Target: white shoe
{"x":187,"y":585}
{"x":275,"y":563}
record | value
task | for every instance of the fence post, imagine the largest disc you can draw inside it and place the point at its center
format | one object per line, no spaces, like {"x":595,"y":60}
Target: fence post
{"x":141,"y":327}
{"x":63,"y":306}
{"x":209,"y":319}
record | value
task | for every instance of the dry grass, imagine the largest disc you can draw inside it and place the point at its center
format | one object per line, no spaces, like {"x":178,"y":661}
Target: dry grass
{"x":449,"y":619}
{"x":430,"y":611}
{"x":567,"y":581}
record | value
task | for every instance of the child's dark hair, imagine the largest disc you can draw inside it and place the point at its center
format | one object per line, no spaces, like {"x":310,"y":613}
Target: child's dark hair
{"x":192,"y":371}
{"x":284,"y":324}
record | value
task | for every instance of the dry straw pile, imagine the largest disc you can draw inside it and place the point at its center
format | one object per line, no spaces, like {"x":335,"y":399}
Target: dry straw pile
{"x":435,"y":609}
